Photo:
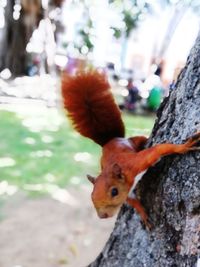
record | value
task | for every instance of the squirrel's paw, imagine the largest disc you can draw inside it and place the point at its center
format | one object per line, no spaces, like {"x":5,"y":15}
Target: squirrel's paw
{"x":193,"y":143}
{"x":147,"y":224}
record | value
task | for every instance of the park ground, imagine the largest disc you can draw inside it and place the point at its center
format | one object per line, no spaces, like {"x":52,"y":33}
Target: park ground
{"x":46,"y":215}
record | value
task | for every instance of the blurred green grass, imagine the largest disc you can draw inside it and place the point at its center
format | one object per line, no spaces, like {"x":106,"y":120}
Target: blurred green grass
{"x":40,"y":147}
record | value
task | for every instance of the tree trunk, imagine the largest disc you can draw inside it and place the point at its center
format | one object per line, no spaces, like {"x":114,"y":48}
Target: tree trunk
{"x":16,"y":35}
{"x":169,"y":191}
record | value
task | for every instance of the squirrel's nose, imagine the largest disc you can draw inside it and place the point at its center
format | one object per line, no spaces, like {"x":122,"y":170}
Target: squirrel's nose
{"x":103,"y":215}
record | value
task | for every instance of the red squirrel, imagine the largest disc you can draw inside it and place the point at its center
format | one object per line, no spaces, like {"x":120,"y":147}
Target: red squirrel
{"x":91,"y":107}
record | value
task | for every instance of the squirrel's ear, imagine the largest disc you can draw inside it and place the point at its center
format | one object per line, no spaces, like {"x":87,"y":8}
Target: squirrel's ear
{"x":116,"y":169}
{"x":91,"y":179}
{"x":117,"y":172}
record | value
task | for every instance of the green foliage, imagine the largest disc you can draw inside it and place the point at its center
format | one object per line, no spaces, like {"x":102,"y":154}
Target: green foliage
{"x":116,"y":32}
{"x":131,"y":13}
{"x":85,"y":35}
{"x":130,"y":20}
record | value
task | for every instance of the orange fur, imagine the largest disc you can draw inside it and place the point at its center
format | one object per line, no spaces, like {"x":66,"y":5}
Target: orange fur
{"x":91,"y":107}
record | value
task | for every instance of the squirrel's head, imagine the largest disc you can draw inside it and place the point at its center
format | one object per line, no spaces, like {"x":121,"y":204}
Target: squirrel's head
{"x":110,"y":191}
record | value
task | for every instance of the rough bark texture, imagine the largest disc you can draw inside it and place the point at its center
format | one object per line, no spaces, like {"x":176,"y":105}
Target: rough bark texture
{"x":170,"y":191}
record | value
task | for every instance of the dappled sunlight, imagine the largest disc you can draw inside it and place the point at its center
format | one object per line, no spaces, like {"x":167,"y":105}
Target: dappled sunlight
{"x":7,"y":162}
{"x":37,"y":90}
{"x":134,"y":53}
{"x":49,"y":177}
{"x":41,"y":154}
{"x":36,"y":125}
{"x":55,"y":155}
{"x":83,"y":157}
{"x":37,"y":118}
{"x":49,"y":160}
{"x":138,"y":125}
{"x":47,"y":139}
{"x":7,"y":189}
{"x":74,"y":134}
{"x":138,"y":131}
{"x":63,"y":196}
{"x":36,"y":87}
{"x":29,"y":141}
{"x":75,"y":180}
{"x":34,"y":187}
{"x":15,"y":172}
{"x":44,"y":156}
{"x":56,"y":192}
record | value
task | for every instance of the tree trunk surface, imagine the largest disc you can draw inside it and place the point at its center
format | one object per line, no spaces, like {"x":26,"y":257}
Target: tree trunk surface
{"x":16,"y":35}
{"x":169,"y":191}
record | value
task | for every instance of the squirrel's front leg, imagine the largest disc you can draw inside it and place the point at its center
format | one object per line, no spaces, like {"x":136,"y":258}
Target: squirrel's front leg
{"x":150,"y":156}
{"x":135,"y":203}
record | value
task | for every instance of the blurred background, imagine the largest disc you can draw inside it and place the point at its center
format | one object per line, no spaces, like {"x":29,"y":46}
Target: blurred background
{"x":46,"y":215}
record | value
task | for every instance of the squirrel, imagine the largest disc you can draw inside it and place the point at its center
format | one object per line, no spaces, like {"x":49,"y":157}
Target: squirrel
{"x":90,"y":105}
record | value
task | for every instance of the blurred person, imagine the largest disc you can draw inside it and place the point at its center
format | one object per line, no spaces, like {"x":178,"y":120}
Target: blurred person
{"x":159,"y":68}
{"x":154,"y":98}
{"x":133,"y":96}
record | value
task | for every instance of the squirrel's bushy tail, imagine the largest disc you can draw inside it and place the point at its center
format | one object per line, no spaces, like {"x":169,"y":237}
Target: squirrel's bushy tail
{"x":91,"y":106}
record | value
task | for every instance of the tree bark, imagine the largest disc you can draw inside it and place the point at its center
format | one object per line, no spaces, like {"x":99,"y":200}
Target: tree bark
{"x":169,"y":191}
{"x":16,"y":35}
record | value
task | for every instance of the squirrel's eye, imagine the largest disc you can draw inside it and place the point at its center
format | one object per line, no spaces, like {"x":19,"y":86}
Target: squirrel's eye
{"x":114,"y":192}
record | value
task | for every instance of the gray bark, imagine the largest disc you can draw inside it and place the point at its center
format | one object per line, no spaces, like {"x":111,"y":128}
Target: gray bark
{"x":169,"y":191}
